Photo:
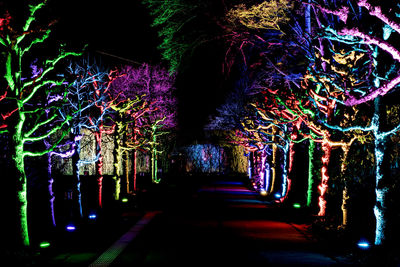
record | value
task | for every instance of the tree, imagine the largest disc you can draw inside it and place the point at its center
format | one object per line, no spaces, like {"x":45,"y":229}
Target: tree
{"x":25,"y":100}
{"x":128,"y":135}
{"x":81,"y":104}
{"x":374,"y":77}
{"x":155,"y":86}
{"x":100,"y":118}
{"x":171,"y":17}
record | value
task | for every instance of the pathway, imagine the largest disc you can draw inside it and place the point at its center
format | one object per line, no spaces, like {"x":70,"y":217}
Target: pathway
{"x":222,"y":223}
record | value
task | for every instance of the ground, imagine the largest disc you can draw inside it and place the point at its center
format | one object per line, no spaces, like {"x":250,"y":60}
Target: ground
{"x":202,"y":220}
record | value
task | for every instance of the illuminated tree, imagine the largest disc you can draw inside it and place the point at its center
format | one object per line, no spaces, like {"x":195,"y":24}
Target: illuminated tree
{"x":268,"y":15}
{"x":374,"y":77}
{"x":28,"y":115}
{"x":128,"y":136}
{"x":280,"y":64}
{"x":284,"y":73}
{"x":81,"y":105}
{"x":171,"y":17}
{"x":155,"y":86}
{"x":100,"y":118}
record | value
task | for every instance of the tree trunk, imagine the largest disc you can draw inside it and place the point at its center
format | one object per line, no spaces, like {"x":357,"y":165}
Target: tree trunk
{"x":154,"y":161}
{"x":382,"y":185}
{"x":323,"y":187}
{"x":345,"y":193}
{"x":128,"y":189}
{"x":50,"y":187}
{"x":76,"y":168}
{"x":286,"y":182}
{"x":117,"y":162}
{"x":17,"y":153}
{"x":134,"y":170}
{"x":99,"y":164}
{"x":381,"y":191}
{"x":311,"y":170}
{"x":274,"y":162}
{"x":344,"y":207}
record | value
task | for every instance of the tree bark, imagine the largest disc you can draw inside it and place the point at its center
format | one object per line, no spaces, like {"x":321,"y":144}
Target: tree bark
{"x":17,"y":153}
{"x":311,"y":170}
{"x":382,"y":185}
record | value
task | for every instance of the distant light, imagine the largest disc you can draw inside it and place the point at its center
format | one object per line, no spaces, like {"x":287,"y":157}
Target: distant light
{"x":277,"y":195}
{"x":124,"y":200}
{"x":92,"y":216}
{"x":263,"y":192}
{"x":71,"y":228}
{"x":296,"y":205}
{"x":44,"y":244}
{"x":363,"y":244}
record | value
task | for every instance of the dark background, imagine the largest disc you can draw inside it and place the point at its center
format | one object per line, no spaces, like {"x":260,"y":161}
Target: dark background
{"x":120,"y":32}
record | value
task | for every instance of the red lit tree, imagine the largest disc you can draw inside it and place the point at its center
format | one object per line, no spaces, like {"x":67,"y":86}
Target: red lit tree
{"x":100,"y":118}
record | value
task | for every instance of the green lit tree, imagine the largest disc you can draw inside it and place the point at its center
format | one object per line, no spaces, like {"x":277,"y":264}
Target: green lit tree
{"x":171,"y":18}
{"x":30,"y":113}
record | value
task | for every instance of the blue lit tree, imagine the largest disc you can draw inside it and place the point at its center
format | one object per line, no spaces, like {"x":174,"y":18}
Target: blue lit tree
{"x":369,"y":81}
{"x":81,"y":104}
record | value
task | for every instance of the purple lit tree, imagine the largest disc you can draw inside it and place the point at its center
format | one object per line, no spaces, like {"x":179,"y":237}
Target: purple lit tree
{"x":155,"y":86}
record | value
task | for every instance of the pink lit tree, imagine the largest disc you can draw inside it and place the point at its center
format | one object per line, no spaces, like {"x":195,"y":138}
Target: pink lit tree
{"x":155,"y":86}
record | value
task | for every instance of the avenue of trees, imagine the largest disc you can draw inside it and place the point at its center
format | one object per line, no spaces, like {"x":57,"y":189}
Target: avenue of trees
{"x":53,"y":106}
{"x":306,"y":89}
{"x":311,"y":79}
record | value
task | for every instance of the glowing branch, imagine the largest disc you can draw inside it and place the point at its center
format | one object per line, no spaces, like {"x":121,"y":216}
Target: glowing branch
{"x":268,"y":15}
{"x":28,"y":117}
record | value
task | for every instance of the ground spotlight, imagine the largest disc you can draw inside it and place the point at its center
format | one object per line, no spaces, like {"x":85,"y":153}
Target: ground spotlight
{"x":92,"y":216}
{"x":363,"y":244}
{"x":44,"y":244}
{"x":296,"y":205}
{"x":70,"y":228}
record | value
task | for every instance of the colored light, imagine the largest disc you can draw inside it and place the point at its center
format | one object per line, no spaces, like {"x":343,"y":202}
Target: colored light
{"x":92,"y":216}
{"x":71,"y":228}
{"x":363,"y":244}
{"x":124,"y":200}
{"x":263,"y":192}
{"x":44,"y":244}
{"x":296,"y":205}
{"x":277,"y":195}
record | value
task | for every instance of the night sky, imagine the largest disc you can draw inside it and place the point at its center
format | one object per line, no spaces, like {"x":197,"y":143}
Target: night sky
{"x":120,"y":32}
{"x":122,"y":29}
